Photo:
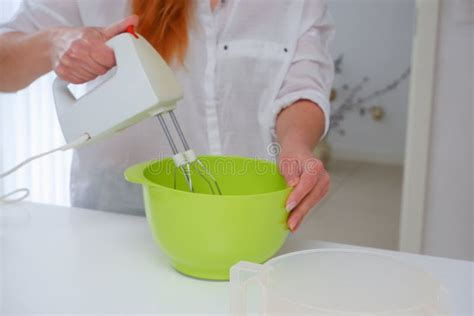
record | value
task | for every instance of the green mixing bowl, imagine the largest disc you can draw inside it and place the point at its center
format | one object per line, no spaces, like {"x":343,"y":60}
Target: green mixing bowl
{"x":205,"y":234}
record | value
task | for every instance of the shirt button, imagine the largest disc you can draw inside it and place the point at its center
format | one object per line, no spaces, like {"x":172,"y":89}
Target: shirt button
{"x":226,"y":47}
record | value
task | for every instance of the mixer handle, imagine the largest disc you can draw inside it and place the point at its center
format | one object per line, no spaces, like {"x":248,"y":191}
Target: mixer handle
{"x":119,"y":44}
{"x":62,"y":95}
{"x":72,"y":111}
{"x":241,"y":275}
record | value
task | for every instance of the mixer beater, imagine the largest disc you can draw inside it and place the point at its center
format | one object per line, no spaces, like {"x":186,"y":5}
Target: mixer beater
{"x":186,"y":161}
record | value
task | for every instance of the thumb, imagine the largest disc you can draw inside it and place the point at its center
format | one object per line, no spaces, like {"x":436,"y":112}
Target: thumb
{"x":120,"y":26}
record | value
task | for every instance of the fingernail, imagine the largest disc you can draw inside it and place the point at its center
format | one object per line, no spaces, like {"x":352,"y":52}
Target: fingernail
{"x":292,"y":224}
{"x":290,"y":206}
{"x":293,"y":182}
{"x":297,"y":227}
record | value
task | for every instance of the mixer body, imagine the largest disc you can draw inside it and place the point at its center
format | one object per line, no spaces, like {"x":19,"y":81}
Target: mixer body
{"x":141,"y":86}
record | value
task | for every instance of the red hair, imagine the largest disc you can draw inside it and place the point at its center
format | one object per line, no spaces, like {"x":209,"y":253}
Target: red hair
{"x":165,"y":23}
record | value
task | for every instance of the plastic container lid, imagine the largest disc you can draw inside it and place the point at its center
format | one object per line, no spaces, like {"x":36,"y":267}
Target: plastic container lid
{"x":341,"y":282}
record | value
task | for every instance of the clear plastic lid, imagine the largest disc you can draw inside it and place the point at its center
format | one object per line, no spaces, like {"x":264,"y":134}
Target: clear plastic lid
{"x":345,"y":282}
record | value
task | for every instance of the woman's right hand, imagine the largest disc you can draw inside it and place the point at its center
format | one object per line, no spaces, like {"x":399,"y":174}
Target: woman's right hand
{"x":80,"y":55}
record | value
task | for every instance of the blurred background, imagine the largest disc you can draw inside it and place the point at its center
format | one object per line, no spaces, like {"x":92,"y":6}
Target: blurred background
{"x":366,"y":144}
{"x":400,"y":145}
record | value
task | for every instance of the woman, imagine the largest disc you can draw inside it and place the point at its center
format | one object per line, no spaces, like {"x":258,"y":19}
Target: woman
{"x":253,"y":72}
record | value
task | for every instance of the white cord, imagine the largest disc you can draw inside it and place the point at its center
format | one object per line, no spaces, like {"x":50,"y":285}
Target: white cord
{"x":5,"y":198}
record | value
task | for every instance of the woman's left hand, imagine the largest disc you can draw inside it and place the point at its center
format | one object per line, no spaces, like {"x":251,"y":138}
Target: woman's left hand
{"x":307,"y":175}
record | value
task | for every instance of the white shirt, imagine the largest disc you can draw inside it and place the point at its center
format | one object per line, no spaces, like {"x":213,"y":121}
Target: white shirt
{"x":246,"y":61}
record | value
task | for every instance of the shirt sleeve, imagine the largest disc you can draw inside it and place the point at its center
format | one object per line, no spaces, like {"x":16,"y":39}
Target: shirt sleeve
{"x":311,"y":72}
{"x":35,"y":15}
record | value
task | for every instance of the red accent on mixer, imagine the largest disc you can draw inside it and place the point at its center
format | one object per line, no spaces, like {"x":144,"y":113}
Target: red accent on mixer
{"x":131,"y":30}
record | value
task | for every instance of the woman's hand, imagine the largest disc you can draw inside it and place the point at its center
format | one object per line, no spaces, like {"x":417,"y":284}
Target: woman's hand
{"x":299,"y":128}
{"x":307,"y":176}
{"x":80,"y":55}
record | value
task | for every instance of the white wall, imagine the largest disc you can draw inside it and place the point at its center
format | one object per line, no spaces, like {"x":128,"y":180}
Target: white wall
{"x":375,"y":37}
{"x":448,"y":224}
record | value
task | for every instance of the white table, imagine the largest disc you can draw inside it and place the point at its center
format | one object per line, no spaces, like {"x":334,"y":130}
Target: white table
{"x":63,"y":260}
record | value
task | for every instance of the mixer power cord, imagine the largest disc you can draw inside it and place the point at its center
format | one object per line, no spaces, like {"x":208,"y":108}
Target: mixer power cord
{"x":7,"y":198}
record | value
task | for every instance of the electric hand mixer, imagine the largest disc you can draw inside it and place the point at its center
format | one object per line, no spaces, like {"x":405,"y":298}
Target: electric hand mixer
{"x":141,"y":86}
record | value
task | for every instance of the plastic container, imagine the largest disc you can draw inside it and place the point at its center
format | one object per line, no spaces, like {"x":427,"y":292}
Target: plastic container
{"x":205,"y":234}
{"x":337,"y":282}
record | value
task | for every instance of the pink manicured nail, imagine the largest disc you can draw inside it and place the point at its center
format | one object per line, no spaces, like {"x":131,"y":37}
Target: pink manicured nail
{"x":290,"y":206}
{"x":293,"y":182}
{"x":292,"y":223}
{"x":297,"y":227}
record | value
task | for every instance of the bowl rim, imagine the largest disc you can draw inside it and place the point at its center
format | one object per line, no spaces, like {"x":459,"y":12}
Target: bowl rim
{"x":140,"y":167}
